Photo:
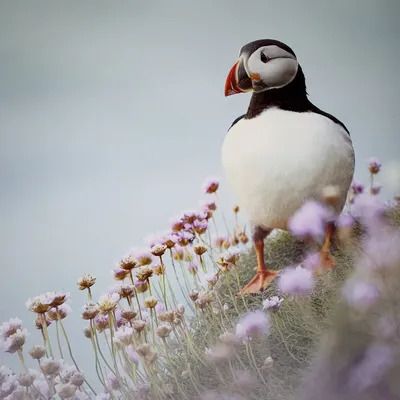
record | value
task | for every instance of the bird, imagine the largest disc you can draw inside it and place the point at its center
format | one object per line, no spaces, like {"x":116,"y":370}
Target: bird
{"x":283,"y":151}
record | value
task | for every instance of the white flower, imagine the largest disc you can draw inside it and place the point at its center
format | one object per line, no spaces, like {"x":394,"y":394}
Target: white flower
{"x":10,"y":327}
{"x":273,"y":303}
{"x":15,"y":342}
{"x":108,"y":302}
{"x":123,"y":335}
{"x":65,"y":390}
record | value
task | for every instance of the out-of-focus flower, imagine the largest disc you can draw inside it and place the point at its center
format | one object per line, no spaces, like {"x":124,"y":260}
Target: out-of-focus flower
{"x":119,"y":274}
{"x":39,"y":304}
{"x":232,"y":256}
{"x":163,"y":330}
{"x":158,"y":250}
{"x":150,"y":301}
{"x":49,"y":366}
{"x":374,"y":365}
{"x":58,"y":313}
{"x":297,"y":281}
{"x":211,"y":185}
{"x":58,"y":298}
{"x":331,"y":195}
{"x":253,"y":324}
{"x":310,"y":220}
{"x":194,"y":294}
{"x":88,"y":332}
{"x":212,"y":279}
{"x":125,"y":290}
{"x":374,"y":165}
{"x":15,"y":341}
{"x":86,"y":281}
{"x":167,"y":316}
{"x":228,"y":338}
{"x":108,"y":303}
{"x":101,"y":323}
{"x":359,"y":294}
{"x":65,"y":390}
{"x":143,"y":256}
{"x":37,"y":352}
{"x":128,"y":315}
{"x":160,"y":307}
{"x":273,"y":303}
{"x":128,"y":263}
{"x":192,"y":268}
{"x":133,"y":356}
{"x":356,"y":187}
{"x":141,"y":286}
{"x":376,"y":189}
{"x":268,"y":363}
{"x":200,"y":227}
{"x":10,"y":327}
{"x":123,"y":335}
{"x":139,"y":325}
{"x":219,"y":353}
{"x":90,"y":310}
{"x":144,"y":273}
{"x":158,"y":269}
{"x":26,"y":379}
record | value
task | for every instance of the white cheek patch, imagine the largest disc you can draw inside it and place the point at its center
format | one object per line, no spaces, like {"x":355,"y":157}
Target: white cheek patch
{"x":276,"y":73}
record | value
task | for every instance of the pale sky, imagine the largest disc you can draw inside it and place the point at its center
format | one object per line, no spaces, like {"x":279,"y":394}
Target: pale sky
{"x":112,"y":114}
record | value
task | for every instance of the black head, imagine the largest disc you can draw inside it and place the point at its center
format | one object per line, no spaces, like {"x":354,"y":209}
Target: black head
{"x":263,"y":65}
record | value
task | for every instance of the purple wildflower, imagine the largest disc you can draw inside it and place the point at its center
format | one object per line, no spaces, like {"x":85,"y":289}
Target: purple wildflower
{"x":344,"y":221}
{"x":10,"y":327}
{"x":311,"y":219}
{"x":200,"y":227}
{"x":273,"y":303}
{"x":359,"y":294}
{"x":376,"y":361}
{"x":160,"y":307}
{"x":296,"y":280}
{"x":253,"y":324}
{"x":374,"y":165}
{"x":211,"y":185}
{"x":356,"y":187}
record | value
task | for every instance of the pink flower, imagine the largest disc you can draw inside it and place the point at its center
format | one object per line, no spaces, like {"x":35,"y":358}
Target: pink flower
{"x":253,"y":324}
{"x":211,"y":185}
{"x":133,"y":356}
{"x":296,"y":280}
{"x":356,"y":187}
{"x":160,"y":307}
{"x":273,"y":303}
{"x":9,"y":328}
{"x":311,"y":220}
{"x":360,"y":295}
{"x":374,"y":165}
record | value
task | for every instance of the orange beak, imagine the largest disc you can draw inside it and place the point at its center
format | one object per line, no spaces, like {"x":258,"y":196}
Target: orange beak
{"x":237,"y":80}
{"x":231,"y":83}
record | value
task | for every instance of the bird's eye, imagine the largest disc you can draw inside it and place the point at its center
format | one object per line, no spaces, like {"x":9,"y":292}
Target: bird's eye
{"x":264,"y":58}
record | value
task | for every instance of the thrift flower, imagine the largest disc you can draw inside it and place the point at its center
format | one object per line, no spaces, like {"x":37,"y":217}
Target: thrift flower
{"x":253,"y":324}
{"x":273,"y":303}
{"x":359,"y":294}
{"x":356,"y":187}
{"x":310,"y":220}
{"x":108,"y":303}
{"x":15,"y":341}
{"x":211,"y":185}
{"x":90,"y":310}
{"x":123,"y":335}
{"x":374,"y":165}
{"x":86,"y":282}
{"x":296,"y":281}
{"x":37,"y":352}
{"x":9,"y":328}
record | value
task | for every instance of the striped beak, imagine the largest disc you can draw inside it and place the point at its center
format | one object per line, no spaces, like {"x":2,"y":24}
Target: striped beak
{"x":237,"y":81}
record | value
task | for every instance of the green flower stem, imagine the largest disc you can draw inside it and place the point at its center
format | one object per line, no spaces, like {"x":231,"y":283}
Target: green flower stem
{"x":21,"y":358}
{"x":58,"y":338}
{"x":70,"y":353}
{"x":46,"y":334}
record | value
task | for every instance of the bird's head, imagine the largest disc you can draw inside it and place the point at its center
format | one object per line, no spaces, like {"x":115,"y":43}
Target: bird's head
{"x":263,"y":65}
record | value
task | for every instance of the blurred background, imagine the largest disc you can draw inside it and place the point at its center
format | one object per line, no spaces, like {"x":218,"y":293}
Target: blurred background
{"x":112,"y":114}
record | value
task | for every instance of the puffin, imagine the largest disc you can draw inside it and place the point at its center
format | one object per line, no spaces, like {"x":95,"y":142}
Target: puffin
{"x":283,"y":151}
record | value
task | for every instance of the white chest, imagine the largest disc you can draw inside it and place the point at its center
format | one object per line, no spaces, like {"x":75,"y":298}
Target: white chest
{"x":276,"y":161}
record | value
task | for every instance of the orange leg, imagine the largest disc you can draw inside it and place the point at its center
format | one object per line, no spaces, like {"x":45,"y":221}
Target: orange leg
{"x":327,"y":259}
{"x":263,"y":277}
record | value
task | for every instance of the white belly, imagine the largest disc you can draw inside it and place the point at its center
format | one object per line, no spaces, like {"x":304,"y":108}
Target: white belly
{"x":276,"y":161}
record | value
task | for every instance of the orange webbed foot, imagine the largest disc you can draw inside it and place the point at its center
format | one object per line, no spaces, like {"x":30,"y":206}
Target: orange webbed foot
{"x":261,"y":281}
